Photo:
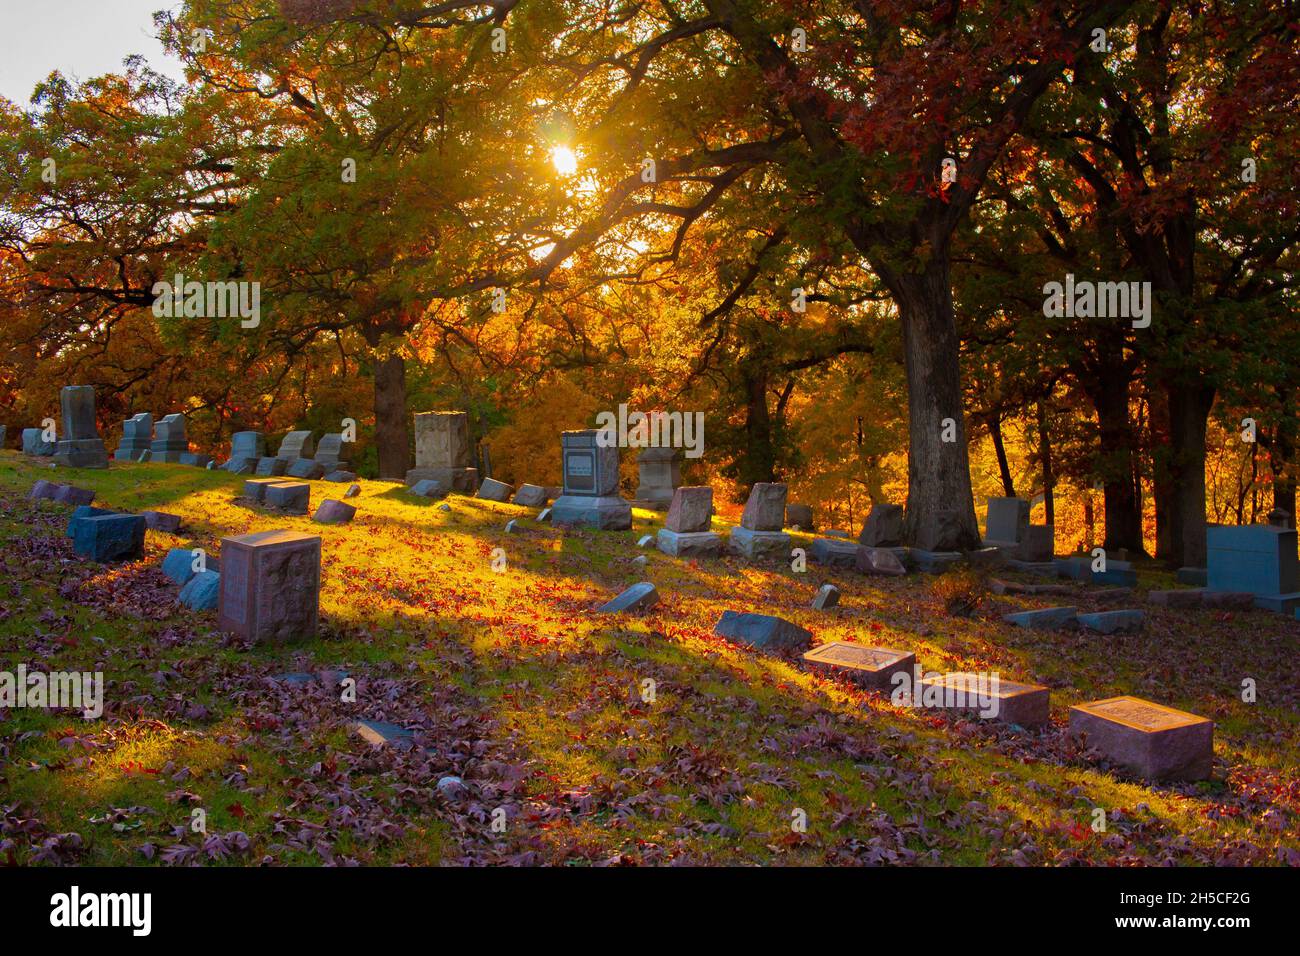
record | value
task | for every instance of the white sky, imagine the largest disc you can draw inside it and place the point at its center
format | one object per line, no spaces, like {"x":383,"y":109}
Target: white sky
{"x":80,"y":38}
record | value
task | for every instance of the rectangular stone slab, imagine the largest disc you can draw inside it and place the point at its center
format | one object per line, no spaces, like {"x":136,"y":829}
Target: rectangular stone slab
{"x":870,"y":667}
{"x":688,"y":544}
{"x":1025,"y":704}
{"x":270,"y":586}
{"x":1153,"y":741}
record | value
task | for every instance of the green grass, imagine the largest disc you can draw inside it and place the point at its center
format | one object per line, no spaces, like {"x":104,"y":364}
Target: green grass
{"x":537,"y":703}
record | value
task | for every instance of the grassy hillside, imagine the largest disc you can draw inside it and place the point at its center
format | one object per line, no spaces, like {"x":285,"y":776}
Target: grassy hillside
{"x":511,"y":682}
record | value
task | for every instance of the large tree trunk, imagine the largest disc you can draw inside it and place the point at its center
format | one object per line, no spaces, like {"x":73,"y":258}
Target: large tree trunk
{"x":1123,"y":509}
{"x":1189,"y":410}
{"x":759,"y":461}
{"x":1281,"y":454}
{"x":391,"y":437}
{"x":940,"y":504}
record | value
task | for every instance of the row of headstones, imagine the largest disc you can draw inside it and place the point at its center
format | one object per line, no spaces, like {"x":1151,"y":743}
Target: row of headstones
{"x":1149,"y":739}
{"x":298,"y":457}
{"x":142,"y":441}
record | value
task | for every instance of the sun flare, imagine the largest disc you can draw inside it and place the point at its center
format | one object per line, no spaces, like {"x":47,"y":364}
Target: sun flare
{"x":564,"y":160}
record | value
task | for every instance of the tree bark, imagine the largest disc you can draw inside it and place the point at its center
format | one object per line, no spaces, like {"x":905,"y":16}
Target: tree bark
{"x":759,"y":463}
{"x":1168,"y":530}
{"x":1189,"y":411}
{"x":999,"y":448}
{"x":940,"y":505}
{"x":1281,"y":456}
{"x":392,"y":439}
{"x":1045,"y":459}
{"x":1123,"y":514}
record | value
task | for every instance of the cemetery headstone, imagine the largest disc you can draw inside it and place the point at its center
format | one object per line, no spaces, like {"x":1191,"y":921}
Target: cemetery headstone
{"x":333,"y":453}
{"x":84,"y":511}
{"x":590,"y":496}
{"x":161,"y":521}
{"x":1152,"y":741}
{"x":109,"y":537}
{"x":543,"y":515}
{"x":333,"y":511}
{"x":271,"y":467}
{"x":169,"y":440}
{"x":1043,"y":618}
{"x":759,"y":534}
{"x":353,"y":491}
{"x":80,"y":446}
{"x":378,"y":733}
{"x":255,"y":488}
{"x":44,"y":489}
{"x":763,"y":631}
{"x":686,"y":528}
{"x":878,"y":561}
{"x":883,"y":527}
{"x":443,"y":452}
{"x":341,"y":476}
{"x":307,"y":468}
{"x":202,"y":592}
{"x":870,"y":667}
{"x":179,"y":565}
{"x":1028,"y":705}
{"x":833,"y":552}
{"x":4,"y":434}
{"x":493,"y":490}
{"x":827,"y":596}
{"x":297,"y":444}
{"x":799,"y":516}
{"x":1007,"y":522}
{"x":270,"y":586}
{"x":72,"y":495}
{"x":427,"y":488}
{"x":660,"y":474}
{"x":531,"y":496}
{"x":137,"y":437}
{"x":636,"y":598}
{"x":35,"y":445}
{"x":1259,"y":559}
{"x":291,"y":497}
{"x":246,"y":450}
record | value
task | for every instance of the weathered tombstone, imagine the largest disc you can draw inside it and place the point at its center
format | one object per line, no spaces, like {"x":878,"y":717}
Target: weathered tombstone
{"x":34,"y":443}
{"x":759,"y":534}
{"x":513,"y":527}
{"x":333,"y":453}
{"x":493,"y":490}
{"x":427,"y":488}
{"x":353,"y":490}
{"x":179,"y":565}
{"x":72,"y":495}
{"x":341,"y":476}
{"x":333,"y":511}
{"x":870,"y":667}
{"x":763,"y":631}
{"x":442,"y":451}
{"x":1152,"y":741}
{"x":109,"y":537}
{"x":378,"y":733}
{"x":883,"y":527}
{"x":833,"y":552}
{"x":1181,"y":597}
{"x":169,"y":441}
{"x":195,"y":460}
{"x":255,"y":488}
{"x":1007,"y":523}
{"x":85,"y":511}
{"x":660,"y":474}
{"x":799,"y":516}
{"x":44,"y":489}
{"x":307,"y":468}
{"x":298,"y":444}
{"x":686,"y":528}
{"x":270,"y":585}
{"x":827,"y":596}
{"x":590,"y":496}
{"x":1259,"y":559}
{"x":636,"y":598}
{"x":246,"y":450}
{"x":1044,"y":618}
{"x":543,"y":515}
{"x":291,"y":497}
{"x":161,"y":521}
{"x":202,"y":592}
{"x":531,"y":496}
{"x":1011,"y":702}
{"x":137,"y":437}
{"x":80,"y":446}
{"x":878,"y":561}
{"x":271,"y":467}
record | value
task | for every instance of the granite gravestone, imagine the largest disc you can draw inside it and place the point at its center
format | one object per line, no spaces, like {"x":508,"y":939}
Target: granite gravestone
{"x":531,"y":496}
{"x":800,"y":517}
{"x":759,"y":534}
{"x":871,"y":667}
{"x":35,"y":444}
{"x":80,"y":446}
{"x":1258,"y":559}
{"x":270,"y":586}
{"x":686,"y":528}
{"x":169,"y":441}
{"x":660,"y":474}
{"x":442,"y":452}
{"x":246,"y":450}
{"x":1152,"y":741}
{"x":296,"y":445}
{"x":333,"y":452}
{"x":137,"y":437}
{"x":590,"y":496}
{"x":883,"y":527}
{"x":1007,"y":522}
{"x":1028,"y":705}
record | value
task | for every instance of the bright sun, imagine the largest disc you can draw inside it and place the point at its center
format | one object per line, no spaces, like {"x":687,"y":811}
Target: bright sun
{"x":564,"y":160}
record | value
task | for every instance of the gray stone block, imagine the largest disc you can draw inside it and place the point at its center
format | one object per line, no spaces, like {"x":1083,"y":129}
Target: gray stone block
{"x":636,"y":598}
{"x":291,"y":497}
{"x":271,"y":467}
{"x":202,"y":591}
{"x":1042,"y":618}
{"x":493,"y":490}
{"x":759,"y":545}
{"x":827,"y":596}
{"x":763,"y":631}
{"x":307,"y":468}
{"x":608,"y":513}
{"x":765,"y":509}
{"x":688,"y":544}
{"x":833,"y":552}
{"x":531,"y":496}
{"x":332,"y":511}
